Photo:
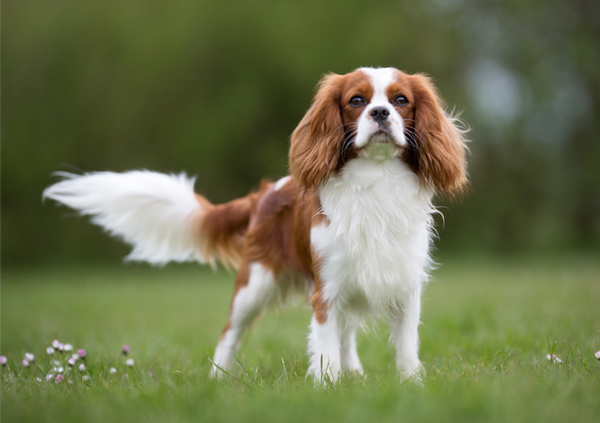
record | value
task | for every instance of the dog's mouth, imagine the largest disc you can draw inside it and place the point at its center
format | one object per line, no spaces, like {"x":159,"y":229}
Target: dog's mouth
{"x":383,"y":145}
{"x":381,"y":148}
{"x":382,"y":136}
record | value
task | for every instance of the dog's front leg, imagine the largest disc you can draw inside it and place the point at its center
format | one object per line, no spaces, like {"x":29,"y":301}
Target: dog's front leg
{"x":404,"y":322}
{"x":324,"y":349}
{"x":348,"y":354}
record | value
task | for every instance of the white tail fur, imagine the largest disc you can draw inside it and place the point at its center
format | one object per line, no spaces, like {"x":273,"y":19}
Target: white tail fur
{"x":158,"y":214}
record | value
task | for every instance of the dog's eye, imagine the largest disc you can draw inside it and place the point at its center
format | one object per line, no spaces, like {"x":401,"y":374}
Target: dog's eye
{"x":400,"y":100}
{"x":357,"y":101}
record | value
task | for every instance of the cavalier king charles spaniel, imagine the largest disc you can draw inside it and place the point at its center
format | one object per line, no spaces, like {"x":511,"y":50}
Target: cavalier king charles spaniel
{"x":350,"y":228}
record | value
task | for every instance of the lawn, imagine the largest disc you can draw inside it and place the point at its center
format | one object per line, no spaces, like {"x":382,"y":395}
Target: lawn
{"x":487,"y":328}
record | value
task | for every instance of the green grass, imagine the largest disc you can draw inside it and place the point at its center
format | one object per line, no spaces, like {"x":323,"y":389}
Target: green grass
{"x":487,"y":327}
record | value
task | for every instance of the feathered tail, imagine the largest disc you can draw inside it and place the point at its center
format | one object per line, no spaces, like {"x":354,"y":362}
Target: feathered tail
{"x":159,"y":215}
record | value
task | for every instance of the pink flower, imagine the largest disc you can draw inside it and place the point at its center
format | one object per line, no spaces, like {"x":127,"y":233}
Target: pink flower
{"x":81,"y":353}
{"x":82,"y":367}
{"x":59,"y":378}
{"x":25,"y":363}
{"x":3,"y":360}
{"x":126,"y":349}
{"x":71,"y":361}
{"x":55,"y":344}
{"x":597,"y":355}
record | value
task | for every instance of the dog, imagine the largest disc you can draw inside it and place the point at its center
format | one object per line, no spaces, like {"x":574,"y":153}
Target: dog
{"x":350,"y":228}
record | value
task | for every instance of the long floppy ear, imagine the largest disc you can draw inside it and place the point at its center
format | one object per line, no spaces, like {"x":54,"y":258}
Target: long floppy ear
{"x":439,"y":143}
{"x":316,"y":143}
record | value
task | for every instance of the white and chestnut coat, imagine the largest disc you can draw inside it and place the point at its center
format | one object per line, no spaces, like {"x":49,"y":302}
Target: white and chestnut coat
{"x":350,"y":228}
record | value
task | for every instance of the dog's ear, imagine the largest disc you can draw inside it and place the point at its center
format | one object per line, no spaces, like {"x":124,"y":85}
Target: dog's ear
{"x":316,"y":143}
{"x":439,"y":143}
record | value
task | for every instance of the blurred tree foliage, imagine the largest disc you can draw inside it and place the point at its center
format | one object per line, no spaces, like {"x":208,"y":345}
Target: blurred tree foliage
{"x":216,"y":88}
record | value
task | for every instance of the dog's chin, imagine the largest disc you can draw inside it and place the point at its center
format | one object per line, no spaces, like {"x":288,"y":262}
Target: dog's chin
{"x":382,"y":145}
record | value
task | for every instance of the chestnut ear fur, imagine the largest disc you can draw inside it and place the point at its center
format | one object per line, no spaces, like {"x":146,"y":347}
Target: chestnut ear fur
{"x":439,"y":141}
{"x":316,"y":143}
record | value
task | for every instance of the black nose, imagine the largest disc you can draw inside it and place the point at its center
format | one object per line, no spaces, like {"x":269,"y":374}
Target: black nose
{"x":379,"y":114}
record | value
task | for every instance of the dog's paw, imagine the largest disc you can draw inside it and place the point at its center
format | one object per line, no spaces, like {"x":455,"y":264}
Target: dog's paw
{"x":413,"y":373}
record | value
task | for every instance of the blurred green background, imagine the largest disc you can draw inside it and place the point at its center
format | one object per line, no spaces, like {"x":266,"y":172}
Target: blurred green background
{"x":216,"y":88}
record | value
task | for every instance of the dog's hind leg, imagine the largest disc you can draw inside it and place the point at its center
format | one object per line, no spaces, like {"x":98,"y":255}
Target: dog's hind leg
{"x":255,"y":289}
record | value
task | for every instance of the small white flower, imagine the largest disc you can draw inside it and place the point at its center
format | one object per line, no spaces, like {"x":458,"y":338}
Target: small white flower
{"x":68,"y":347}
{"x":553,"y":358}
{"x":3,"y":360}
{"x":49,"y":376}
{"x":56,"y":343}
{"x":113,"y":371}
{"x":50,"y":351}
{"x":60,"y":369}
{"x":38,"y":380}
{"x":129,"y":362}
{"x":55,"y":362}
{"x":82,"y":367}
{"x":71,"y":361}
{"x":597,"y":355}
{"x":85,"y":378}
{"x":29,"y":357}
{"x":25,"y":363}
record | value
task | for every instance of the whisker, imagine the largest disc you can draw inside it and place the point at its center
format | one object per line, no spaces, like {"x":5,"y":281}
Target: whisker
{"x":344,"y":124}
{"x":350,"y":137}
{"x":347,"y":145}
{"x":413,"y":136}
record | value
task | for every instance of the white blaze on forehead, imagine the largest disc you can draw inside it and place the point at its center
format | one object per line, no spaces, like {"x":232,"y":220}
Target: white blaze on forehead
{"x":380,"y":78}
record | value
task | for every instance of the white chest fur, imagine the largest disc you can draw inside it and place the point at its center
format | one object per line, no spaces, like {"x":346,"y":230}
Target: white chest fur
{"x":375,"y":250}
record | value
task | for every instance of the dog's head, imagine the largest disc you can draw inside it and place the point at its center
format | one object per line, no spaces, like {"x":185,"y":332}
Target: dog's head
{"x":379,"y":114}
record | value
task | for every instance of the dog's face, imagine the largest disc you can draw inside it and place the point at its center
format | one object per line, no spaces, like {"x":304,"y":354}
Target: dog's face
{"x":379,"y":114}
{"x":376,"y":109}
